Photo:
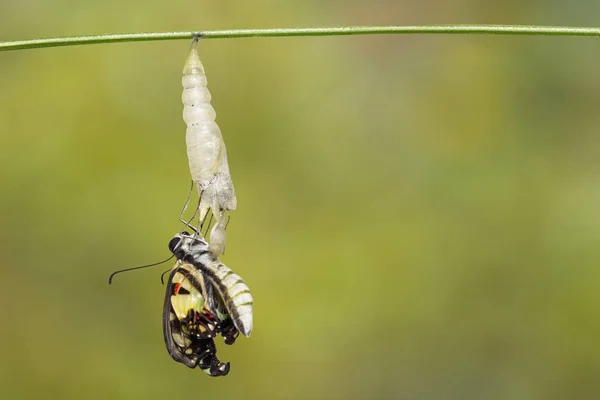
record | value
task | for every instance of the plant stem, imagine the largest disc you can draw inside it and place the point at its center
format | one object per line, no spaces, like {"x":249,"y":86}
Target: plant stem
{"x":349,"y":30}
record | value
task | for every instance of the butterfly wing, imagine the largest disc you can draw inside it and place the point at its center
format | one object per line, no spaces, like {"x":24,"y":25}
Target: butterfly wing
{"x":188,"y":329}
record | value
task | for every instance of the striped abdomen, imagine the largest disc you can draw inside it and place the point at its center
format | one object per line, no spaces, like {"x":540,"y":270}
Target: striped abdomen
{"x":233,"y":291}
{"x":231,"y":288}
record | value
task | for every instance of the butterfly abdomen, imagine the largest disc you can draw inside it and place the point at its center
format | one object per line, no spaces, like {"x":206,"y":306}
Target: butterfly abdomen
{"x":236,"y":295}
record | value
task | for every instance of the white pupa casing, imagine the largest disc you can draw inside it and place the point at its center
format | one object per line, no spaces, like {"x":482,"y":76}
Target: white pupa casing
{"x":206,"y":150}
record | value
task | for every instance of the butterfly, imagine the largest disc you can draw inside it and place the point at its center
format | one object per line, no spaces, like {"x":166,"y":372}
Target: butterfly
{"x":203,"y":299}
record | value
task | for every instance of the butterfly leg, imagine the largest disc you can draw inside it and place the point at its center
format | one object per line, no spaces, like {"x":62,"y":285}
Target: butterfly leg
{"x":200,"y":325}
{"x":187,"y":202}
{"x":229,"y":331}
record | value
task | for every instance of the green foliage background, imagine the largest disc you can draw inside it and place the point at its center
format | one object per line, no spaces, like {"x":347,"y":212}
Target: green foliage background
{"x":419,"y":216}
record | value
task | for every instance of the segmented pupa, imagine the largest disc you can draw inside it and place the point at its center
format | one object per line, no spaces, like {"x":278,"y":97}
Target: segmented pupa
{"x":206,"y":151}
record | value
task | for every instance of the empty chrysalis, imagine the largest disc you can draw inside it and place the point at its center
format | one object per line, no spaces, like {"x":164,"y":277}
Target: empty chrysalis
{"x":206,"y":151}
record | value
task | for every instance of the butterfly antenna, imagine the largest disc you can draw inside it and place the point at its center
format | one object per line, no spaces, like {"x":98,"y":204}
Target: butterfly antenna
{"x":163,"y":275}
{"x":110,"y":278}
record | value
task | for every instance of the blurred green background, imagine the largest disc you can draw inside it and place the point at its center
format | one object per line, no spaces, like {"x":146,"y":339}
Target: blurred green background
{"x":419,"y":216}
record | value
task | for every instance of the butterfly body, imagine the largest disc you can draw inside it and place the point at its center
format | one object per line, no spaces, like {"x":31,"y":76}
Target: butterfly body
{"x":203,"y":299}
{"x":230,"y":287}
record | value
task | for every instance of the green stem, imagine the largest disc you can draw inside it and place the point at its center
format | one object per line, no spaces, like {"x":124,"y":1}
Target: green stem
{"x":349,"y":30}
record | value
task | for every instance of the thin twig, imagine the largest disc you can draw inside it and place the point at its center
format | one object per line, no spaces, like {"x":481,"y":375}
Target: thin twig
{"x":349,"y":30}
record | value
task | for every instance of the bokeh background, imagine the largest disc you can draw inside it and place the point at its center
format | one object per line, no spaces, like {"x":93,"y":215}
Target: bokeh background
{"x":419,"y":216}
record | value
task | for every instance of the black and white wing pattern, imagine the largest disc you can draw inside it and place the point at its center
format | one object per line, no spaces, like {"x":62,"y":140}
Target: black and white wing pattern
{"x":192,"y":317}
{"x":230,"y":287}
